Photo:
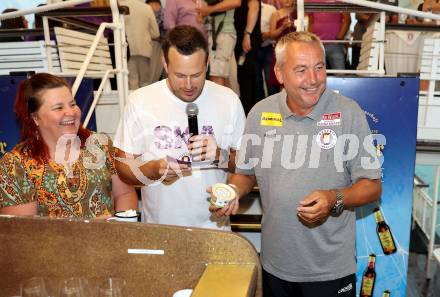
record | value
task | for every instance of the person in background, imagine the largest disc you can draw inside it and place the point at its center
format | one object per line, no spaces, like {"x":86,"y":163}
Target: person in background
{"x":154,"y":143}
{"x":222,"y":38}
{"x":425,"y":6}
{"x":183,"y":12}
{"x":309,"y":192}
{"x":264,"y":56}
{"x":247,"y":25}
{"x":156,"y":5}
{"x":156,"y":53}
{"x":431,"y":6}
{"x":331,"y":26}
{"x":282,"y":22}
{"x":275,"y":3}
{"x":363,"y":20}
{"x":141,"y":28}
{"x":14,"y":23}
{"x":42,"y":176}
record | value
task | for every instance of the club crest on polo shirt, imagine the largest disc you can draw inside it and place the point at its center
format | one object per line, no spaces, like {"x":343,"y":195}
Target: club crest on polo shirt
{"x":272,"y":119}
{"x":326,"y":139}
{"x":330,"y":119}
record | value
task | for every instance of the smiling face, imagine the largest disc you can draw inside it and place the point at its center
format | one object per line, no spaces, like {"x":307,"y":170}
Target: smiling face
{"x":186,"y":74}
{"x":57,"y":115}
{"x":303,"y":75}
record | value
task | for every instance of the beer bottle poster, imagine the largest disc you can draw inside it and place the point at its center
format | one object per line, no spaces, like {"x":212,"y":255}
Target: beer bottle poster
{"x":390,"y":105}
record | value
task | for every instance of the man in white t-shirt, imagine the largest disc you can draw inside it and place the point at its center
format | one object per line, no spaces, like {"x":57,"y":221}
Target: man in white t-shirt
{"x":153,"y":138}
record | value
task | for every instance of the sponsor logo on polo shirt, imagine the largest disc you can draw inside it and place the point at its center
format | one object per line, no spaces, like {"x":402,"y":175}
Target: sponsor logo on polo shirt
{"x":330,"y":119}
{"x":271,"y":119}
{"x":326,"y":139}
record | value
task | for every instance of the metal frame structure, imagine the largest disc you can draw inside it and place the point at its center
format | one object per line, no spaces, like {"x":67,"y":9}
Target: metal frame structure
{"x":118,"y":27}
{"x":425,"y":214}
{"x":373,"y":6}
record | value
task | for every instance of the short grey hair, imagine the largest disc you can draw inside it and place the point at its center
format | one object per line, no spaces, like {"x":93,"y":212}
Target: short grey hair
{"x":280,"y":48}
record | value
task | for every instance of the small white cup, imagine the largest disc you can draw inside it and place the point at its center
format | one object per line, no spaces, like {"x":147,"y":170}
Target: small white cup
{"x":183,"y":293}
{"x":222,"y":195}
{"x":126,"y":216}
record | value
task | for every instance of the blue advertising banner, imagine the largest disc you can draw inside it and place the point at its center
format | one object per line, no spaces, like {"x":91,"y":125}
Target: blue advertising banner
{"x":383,"y":229}
{"x":9,"y":129}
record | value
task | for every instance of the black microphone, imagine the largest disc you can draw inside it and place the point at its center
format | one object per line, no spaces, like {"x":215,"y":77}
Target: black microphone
{"x":191,"y":111}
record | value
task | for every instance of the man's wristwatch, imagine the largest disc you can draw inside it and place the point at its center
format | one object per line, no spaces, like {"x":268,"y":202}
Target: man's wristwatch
{"x":339,"y":204}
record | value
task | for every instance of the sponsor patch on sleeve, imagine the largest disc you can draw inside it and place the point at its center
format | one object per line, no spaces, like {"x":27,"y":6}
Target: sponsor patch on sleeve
{"x":330,"y":119}
{"x":271,"y":119}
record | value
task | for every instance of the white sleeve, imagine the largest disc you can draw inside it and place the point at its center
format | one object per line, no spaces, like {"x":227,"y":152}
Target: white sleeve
{"x":131,"y":136}
{"x":238,"y":123}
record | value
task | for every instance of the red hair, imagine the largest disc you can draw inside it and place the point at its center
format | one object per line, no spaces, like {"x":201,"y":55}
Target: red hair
{"x":28,"y":101}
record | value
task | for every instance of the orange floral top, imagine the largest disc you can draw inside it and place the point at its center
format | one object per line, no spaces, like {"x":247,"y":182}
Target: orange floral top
{"x":81,"y":190}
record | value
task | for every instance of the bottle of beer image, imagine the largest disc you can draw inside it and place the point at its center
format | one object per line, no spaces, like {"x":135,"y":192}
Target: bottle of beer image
{"x":369,"y":278}
{"x":386,"y":293}
{"x":384,"y":233}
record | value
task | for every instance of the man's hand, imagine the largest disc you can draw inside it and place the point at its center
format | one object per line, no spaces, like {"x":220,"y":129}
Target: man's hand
{"x":229,"y":209}
{"x":169,"y":171}
{"x":203,"y":147}
{"x":316,"y":206}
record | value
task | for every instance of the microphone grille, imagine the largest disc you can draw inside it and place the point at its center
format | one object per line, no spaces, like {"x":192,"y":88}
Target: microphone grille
{"x":192,"y":109}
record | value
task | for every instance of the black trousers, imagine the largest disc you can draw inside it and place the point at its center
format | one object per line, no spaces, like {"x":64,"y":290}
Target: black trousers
{"x":276,"y":287}
{"x":247,"y":79}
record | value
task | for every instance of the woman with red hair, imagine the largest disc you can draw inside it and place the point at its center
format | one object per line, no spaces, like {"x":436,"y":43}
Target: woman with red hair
{"x":58,"y":168}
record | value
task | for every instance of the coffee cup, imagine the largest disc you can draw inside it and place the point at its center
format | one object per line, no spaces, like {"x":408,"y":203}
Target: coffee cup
{"x":130,"y":215}
{"x":222,"y":195}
